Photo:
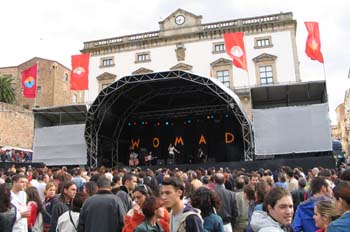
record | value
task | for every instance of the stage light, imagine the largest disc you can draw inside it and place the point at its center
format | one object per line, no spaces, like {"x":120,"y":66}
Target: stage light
{"x":143,"y":123}
{"x":189,"y":121}
{"x":208,"y":117}
{"x":129,"y":124}
{"x":226,"y":115}
{"x":158,"y":123}
{"x":212,"y":116}
{"x":167,"y":123}
{"x":146,"y":123}
{"x":135,"y":123}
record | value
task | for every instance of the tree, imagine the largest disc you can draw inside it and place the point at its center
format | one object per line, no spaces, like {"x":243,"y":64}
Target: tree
{"x":7,"y":92}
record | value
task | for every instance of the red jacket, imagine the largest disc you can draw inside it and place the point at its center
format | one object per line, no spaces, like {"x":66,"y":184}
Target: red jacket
{"x":33,"y":213}
{"x":134,"y":218}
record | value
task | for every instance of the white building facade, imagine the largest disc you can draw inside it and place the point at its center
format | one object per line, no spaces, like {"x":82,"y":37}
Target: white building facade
{"x":184,"y":43}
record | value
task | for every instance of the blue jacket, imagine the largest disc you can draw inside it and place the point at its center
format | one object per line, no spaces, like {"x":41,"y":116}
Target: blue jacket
{"x":303,"y":218}
{"x":342,"y":224}
{"x":213,"y":223}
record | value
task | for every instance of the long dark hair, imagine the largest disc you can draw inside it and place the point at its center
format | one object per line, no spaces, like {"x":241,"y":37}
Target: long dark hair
{"x":33,"y":195}
{"x":5,"y":198}
{"x":65,"y":185}
{"x":206,"y":200}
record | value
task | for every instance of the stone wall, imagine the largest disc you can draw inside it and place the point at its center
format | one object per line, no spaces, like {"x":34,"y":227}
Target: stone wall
{"x":16,"y":126}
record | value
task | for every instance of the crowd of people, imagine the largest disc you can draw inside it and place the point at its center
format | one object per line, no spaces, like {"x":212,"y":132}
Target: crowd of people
{"x":127,"y":200}
{"x":11,"y":155}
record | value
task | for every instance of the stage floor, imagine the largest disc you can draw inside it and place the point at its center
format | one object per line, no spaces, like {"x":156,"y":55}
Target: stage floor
{"x":272,"y":164}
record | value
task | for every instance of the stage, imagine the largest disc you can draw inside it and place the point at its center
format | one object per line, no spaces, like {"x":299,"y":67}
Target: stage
{"x":325,"y":161}
{"x":153,"y":110}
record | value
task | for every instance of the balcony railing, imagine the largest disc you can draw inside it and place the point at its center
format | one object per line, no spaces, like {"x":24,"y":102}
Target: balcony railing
{"x":205,"y":27}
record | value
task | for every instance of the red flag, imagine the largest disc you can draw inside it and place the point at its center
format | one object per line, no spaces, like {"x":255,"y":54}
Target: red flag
{"x":313,"y":42}
{"x":80,"y":72}
{"x":235,"y":49}
{"x":29,"y":81}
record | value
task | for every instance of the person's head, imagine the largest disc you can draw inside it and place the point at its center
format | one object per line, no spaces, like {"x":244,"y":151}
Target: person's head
{"x":260,"y":190}
{"x":301,"y":182}
{"x":46,"y":178}
{"x":104,"y":183}
{"x":19,"y":182}
{"x":205,"y":180}
{"x":342,"y":195}
{"x":140,"y":193}
{"x":345,"y":174}
{"x":78,"y":201}
{"x":324,"y":211}
{"x":319,"y":185}
{"x":90,"y":188}
{"x":219,"y":178}
{"x":239,"y":182}
{"x":206,"y":200}
{"x":315,"y":171}
{"x":249,"y":192}
{"x":129,"y":181}
{"x":116,"y":181}
{"x":282,"y":177}
{"x":254,"y":178}
{"x":69,"y":189}
{"x":5,"y":198}
{"x":33,"y":195}
{"x":151,"y":206}
{"x":279,"y":205}
{"x":35,"y":175}
{"x":325,"y":173}
{"x":289,"y":172}
{"x":50,"y":189}
{"x":172,"y":191}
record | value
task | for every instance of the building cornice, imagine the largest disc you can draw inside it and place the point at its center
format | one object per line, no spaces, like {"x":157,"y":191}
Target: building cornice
{"x":264,"y":57}
{"x":209,"y":31}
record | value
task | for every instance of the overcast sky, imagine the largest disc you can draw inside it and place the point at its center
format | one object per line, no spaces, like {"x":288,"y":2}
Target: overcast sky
{"x":57,"y":29}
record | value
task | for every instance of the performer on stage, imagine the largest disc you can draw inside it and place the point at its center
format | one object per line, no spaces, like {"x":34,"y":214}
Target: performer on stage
{"x":148,"y":159}
{"x":202,"y":157}
{"x":133,"y":159}
{"x":172,"y":150}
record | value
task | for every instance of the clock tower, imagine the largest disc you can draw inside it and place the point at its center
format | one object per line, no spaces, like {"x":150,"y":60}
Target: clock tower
{"x":180,"y":22}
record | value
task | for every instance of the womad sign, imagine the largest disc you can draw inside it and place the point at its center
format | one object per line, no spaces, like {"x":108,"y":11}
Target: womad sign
{"x":227,"y":137}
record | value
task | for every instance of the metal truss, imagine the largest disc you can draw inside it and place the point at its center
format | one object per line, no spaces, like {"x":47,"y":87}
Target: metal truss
{"x":110,"y":95}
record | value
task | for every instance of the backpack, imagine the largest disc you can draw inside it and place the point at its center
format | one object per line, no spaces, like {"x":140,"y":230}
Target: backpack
{"x":39,"y":224}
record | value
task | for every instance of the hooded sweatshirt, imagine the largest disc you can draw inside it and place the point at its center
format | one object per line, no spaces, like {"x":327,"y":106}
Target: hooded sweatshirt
{"x":262,"y":222}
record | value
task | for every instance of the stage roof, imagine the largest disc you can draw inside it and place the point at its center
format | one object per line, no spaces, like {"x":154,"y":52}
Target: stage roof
{"x":157,"y":96}
{"x":290,"y":94}
{"x":60,"y":115}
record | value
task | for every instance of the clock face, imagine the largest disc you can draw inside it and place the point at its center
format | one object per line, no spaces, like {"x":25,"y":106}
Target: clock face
{"x":180,"y":19}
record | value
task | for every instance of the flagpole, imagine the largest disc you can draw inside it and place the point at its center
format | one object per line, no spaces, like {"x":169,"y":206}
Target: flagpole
{"x":324,"y":72}
{"x":36,"y":84}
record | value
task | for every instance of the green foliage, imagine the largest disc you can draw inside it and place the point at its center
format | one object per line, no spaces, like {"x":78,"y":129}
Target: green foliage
{"x":7,"y":92}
